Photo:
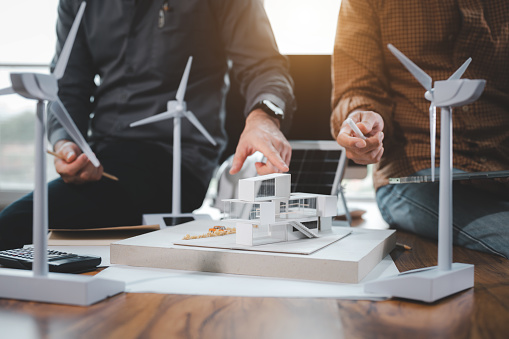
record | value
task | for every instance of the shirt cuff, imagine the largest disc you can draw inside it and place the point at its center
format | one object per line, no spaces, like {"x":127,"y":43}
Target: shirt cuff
{"x":271,"y":97}
{"x":57,"y":135}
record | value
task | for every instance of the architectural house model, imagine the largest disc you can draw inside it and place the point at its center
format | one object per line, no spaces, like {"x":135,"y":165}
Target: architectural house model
{"x":267,"y":212}
{"x":278,"y":234}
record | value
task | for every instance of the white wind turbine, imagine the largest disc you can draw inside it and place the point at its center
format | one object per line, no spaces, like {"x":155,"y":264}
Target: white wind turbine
{"x":433,"y":283}
{"x":176,"y":109}
{"x":41,"y":285}
{"x":426,"y":82}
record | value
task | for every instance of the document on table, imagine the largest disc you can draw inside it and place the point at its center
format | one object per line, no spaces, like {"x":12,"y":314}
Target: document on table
{"x":167,"y":281}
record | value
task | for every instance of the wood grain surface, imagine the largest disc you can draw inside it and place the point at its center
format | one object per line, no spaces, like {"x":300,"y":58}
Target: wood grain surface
{"x":481,"y":312}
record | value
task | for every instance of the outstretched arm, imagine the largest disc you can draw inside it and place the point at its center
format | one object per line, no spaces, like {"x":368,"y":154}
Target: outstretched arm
{"x":263,"y":74}
{"x":360,"y":84}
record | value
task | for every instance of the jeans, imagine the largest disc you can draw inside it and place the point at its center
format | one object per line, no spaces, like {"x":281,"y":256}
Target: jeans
{"x":145,"y":186}
{"x":480,"y":219}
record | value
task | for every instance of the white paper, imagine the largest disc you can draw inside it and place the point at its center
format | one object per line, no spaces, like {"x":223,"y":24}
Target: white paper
{"x":166,"y":281}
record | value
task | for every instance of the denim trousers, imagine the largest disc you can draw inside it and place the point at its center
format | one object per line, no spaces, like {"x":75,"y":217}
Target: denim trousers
{"x":145,"y":186}
{"x":480,"y":218}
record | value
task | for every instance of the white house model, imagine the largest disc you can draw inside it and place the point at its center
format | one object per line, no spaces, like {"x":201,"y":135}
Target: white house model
{"x":266,"y":212}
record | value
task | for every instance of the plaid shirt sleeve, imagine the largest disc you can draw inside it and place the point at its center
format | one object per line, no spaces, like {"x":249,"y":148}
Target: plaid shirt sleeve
{"x":359,"y":77}
{"x":438,"y":36}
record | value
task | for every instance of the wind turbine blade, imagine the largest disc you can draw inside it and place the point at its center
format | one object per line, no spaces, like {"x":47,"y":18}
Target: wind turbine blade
{"x":183,"y":82}
{"x":459,"y":72}
{"x":8,"y":90}
{"x":192,"y":118}
{"x":154,"y":118}
{"x":69,"y":42}
{"x":432,"y":136}
{"x":421,"y":76}
{"x":66,"y":121}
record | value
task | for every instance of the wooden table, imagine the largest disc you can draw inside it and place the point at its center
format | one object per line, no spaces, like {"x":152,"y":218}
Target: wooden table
{"x":481,"y":312}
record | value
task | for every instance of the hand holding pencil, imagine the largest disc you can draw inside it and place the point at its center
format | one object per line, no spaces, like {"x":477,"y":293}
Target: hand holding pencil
{"x":74,"y":166}
{"x":104,"y":174}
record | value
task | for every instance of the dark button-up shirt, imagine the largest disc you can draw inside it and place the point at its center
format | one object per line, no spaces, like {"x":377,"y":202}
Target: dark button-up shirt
{"x":129,"y":57}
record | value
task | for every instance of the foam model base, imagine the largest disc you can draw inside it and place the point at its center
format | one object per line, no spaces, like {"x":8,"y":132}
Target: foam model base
{"x":348,"y":260}
{"x":426,"y":284}
{"x":57,"y":288}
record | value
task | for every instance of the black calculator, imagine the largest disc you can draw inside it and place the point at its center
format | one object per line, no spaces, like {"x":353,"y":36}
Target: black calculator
{"x":58,"y":261}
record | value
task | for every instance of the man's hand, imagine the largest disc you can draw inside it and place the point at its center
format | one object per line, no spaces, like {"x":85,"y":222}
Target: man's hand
{"x":76,"y":168}
{"x":367,"y":151}
{"x":262,"y":134}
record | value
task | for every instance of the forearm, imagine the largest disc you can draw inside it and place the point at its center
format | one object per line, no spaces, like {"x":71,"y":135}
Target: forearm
{"x":359,"y":71}
{"x":258,"y":114}
{"x":262,"y":72}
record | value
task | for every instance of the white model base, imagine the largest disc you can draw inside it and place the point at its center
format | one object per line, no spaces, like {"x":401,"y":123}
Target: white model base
{"x":159,"y":219}
{"x":426,"y":284}
{"x":58,"y":288}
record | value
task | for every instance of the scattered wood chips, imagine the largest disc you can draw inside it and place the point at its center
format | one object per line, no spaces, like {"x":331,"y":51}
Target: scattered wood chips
{"x":217,"y":233}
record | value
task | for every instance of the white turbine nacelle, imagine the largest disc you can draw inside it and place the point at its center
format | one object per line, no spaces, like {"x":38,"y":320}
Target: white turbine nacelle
{"x":174,"y":105}
{"x":35,"y":86}
{"x":455,"y":93}
{"x":429,"y":95}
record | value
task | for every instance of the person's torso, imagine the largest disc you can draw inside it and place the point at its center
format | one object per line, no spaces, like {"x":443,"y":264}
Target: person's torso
{"x":439,"y":36}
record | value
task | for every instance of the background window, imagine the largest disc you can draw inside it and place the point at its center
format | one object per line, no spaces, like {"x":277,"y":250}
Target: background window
{"x":302,"y":26}
{"x":27,"y":45}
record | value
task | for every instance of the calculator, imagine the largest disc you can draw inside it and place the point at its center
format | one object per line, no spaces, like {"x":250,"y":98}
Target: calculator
{"x":58,"y":261}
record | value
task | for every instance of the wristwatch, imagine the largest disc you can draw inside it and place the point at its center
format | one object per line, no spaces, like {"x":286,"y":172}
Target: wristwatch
{"x":271,"y":109}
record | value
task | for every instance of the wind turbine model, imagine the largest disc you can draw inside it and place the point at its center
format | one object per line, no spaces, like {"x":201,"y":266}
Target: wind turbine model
{"x":433,"y":283}
{"x":39,"y":285}
{"x":176,"y":109}
{"x":426,"y":82}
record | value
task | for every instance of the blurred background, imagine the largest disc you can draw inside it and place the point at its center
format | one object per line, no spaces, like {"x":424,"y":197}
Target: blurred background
{"x":304,"y":32}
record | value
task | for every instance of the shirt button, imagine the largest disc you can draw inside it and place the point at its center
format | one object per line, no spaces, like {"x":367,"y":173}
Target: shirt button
{"x":450,"y":37}
{"x":123,"y":97}
{"x":465,"y":108}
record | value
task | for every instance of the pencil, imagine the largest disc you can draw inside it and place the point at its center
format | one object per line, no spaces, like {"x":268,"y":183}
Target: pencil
{"x":107,"y":175}
{"x":406,"y":247}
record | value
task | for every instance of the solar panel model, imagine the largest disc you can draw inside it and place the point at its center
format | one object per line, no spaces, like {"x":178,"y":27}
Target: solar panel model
{"x":317,"y":166}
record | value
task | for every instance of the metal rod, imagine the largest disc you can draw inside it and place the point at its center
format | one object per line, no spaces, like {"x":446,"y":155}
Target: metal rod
{"x":40,"y":221}
{"x":445,"y":202}
{"x":176,"y":166}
